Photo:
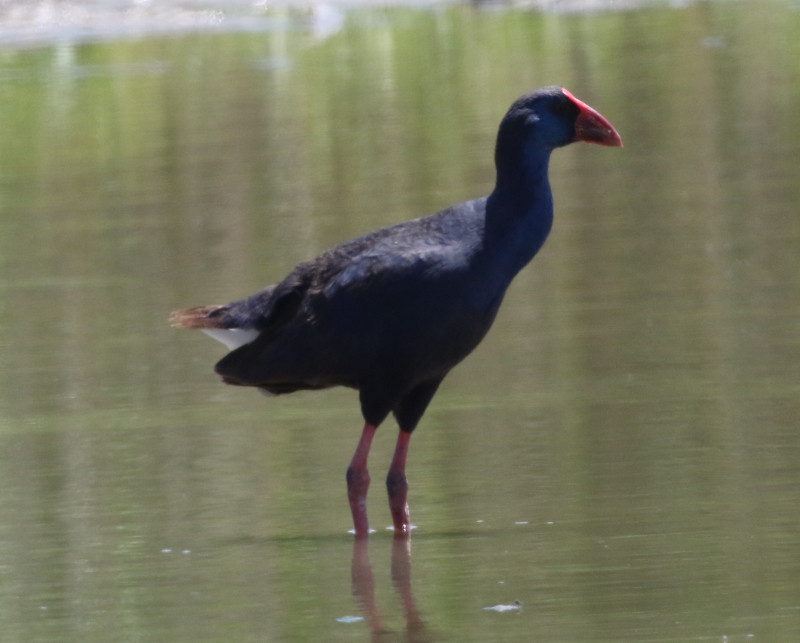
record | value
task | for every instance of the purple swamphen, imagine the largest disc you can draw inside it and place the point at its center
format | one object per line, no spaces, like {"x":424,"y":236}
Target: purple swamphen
{"x":390,"y":313}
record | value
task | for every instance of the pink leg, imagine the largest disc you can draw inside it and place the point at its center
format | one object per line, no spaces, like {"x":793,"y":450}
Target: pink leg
{"x":358,"y":481}
{"x":397,"y":485}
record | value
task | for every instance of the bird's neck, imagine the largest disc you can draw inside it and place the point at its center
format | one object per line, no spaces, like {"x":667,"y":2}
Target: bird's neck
{"x":519,"y":212}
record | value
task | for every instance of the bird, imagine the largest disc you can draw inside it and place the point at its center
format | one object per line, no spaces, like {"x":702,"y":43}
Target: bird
{"x":390,"y":313}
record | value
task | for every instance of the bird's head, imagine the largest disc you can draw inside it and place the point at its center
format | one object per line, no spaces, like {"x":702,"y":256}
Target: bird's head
{"x":552,"y":117}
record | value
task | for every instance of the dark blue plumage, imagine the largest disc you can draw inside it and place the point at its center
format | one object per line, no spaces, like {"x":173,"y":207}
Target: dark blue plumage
{"x":390,"y":313}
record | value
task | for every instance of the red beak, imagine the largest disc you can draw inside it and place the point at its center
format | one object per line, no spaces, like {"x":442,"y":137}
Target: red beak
{"x":592,"y":127}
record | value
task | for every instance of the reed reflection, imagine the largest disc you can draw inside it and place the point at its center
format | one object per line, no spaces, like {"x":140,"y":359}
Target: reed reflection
{"x":364,"y":591}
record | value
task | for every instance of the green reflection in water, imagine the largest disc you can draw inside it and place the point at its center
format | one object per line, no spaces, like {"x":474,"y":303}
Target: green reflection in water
{"x":640,"y":390}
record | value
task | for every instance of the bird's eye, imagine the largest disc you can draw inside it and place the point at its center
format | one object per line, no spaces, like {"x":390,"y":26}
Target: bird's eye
{"x":564,"y":107}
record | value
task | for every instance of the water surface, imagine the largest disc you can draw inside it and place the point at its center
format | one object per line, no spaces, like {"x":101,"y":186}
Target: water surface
{"x":620,"y":456}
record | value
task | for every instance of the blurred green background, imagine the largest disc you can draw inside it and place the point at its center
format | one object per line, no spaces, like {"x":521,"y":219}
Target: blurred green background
{"x":635,"y":406}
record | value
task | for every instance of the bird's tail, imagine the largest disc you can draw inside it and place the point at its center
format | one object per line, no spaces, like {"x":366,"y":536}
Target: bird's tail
{"x":216,"y":323}
{"x":199,"y":317}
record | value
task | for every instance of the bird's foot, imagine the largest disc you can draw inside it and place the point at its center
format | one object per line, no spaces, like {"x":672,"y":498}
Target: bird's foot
{"x":357,"y":486}
{"x":397,"y":485}
{"x":401,"y":519}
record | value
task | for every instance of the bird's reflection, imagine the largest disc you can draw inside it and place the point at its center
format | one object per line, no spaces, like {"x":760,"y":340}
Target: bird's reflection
{"x":364,"y":591}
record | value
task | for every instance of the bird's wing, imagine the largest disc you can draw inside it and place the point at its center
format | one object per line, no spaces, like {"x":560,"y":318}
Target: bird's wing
{"x":402,"y":256}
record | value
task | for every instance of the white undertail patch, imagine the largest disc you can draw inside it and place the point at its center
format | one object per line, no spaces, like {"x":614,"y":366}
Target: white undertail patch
{"x":233,"y":338}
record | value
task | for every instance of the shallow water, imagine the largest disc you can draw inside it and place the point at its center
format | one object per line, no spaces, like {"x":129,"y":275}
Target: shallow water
{"x":620,"y":456}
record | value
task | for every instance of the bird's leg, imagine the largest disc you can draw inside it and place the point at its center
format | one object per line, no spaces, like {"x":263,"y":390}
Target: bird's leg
{"x":397,"y":486}
{"x":358,"y":481}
